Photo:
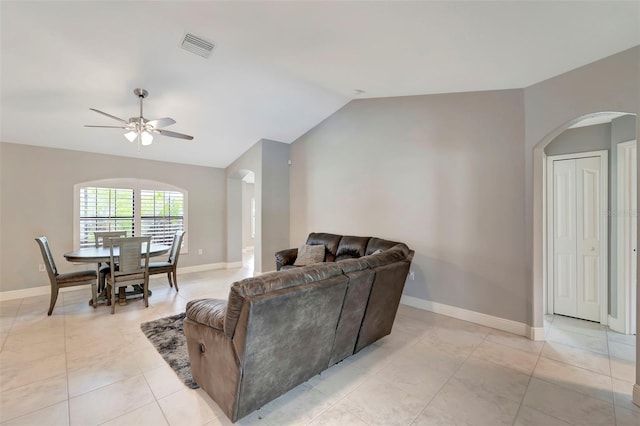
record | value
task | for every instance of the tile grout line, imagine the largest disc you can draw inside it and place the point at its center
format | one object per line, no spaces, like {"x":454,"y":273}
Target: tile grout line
{"x":613,"y":397}
{"x":610,"y":375}
{"x":66,"y":363}
{"x":484,"y":339}
{"x":13,"y":323}
{"x":527,"y":389}
{"x":577,"y":366}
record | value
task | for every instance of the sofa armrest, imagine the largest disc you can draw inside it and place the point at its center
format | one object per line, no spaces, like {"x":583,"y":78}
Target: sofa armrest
{"x":209,"y":312}
{"x":286,"y":257}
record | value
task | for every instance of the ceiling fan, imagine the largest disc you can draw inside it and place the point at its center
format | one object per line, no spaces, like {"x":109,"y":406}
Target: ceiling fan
{"x":140,"y":128}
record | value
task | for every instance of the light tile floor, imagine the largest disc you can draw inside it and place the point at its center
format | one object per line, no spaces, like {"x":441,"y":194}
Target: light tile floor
{"x":83,"y":367}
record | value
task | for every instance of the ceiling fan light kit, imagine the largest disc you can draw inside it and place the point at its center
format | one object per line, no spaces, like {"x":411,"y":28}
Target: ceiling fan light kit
{"x":146,"y":138}
{"x":141,"y":129}
{"x":131,"y":136}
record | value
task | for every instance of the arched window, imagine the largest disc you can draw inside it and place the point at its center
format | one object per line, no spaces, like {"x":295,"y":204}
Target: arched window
{"x":140,"y":207}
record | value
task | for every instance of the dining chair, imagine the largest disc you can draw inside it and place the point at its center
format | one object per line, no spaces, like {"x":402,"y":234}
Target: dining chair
{"x":101,"y":239}
{"x":170,"y":266}
{"x":68,"y":279}
{"x":133,"y":267}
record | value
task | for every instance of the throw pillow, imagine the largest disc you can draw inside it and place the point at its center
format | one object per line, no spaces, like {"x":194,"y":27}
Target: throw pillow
{"x":308,"y":255}
{"x":377,"y":251}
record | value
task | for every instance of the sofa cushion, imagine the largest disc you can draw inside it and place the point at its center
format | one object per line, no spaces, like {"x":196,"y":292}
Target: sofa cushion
{"x":351,"y":247}
{"x":75,"y":276}
{"x":209,"y":312}
{"x":308,"y":255}
{"x":330,"y":241}
{"x":351,"y":265}
{"x":272,"y":281}
{"x":378,"y":244}
{"x":395,"y":254}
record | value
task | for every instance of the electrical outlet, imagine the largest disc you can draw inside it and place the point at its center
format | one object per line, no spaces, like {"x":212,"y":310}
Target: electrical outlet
{"x":200,"y":251}
{"x":412,"y":276}
{"x":41,"y":267}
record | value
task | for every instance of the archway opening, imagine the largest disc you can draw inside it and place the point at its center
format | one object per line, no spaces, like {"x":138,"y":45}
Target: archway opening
{"x":602,"y":131}
{"x":243,"y":221}
{"x":248,"y":221}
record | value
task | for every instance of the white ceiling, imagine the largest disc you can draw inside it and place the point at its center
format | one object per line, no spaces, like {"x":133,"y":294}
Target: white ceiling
{"x":278,"y":68}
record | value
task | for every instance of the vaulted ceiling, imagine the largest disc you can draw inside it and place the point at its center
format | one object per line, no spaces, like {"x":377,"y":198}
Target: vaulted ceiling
{"x":277,"y":69}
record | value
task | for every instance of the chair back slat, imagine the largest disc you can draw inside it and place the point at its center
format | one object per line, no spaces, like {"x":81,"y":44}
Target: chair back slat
{"x":102,"y":237}
{"x":175,"y":247}
{"x":47,"y":256}
{"x":131,"y":259}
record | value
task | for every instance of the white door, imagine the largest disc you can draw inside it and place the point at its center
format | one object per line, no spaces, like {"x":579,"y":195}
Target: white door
{"x":577,"y":221}
{"x":564,"y":231}
{"x":633,"y":201}
{"x":627,"y":235}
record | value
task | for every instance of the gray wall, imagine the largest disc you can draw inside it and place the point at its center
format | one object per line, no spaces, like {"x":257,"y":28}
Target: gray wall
{"x":36,"y":192}
{"x":581,"y":139}
{"x":268,"y":160}
{"x":611,"y":84}
{"x":247,"y":195}
{"x":250,"y":161}
{"x":623,"y":129}
{"x":275,"y":201}
{"x":443,"y":173}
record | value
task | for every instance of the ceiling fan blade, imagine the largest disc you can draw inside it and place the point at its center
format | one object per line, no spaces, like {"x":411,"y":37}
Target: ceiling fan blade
{"x":161,"y":122}
{"x":173,"y":134}
{"x":109,"y":115}
{"x":109,"y":127}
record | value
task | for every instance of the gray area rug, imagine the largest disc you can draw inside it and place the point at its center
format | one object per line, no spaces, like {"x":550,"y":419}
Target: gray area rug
{"x":167,"y":335}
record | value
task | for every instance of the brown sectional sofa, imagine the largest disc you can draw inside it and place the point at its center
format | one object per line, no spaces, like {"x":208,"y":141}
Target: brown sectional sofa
{"x":279,"y":329}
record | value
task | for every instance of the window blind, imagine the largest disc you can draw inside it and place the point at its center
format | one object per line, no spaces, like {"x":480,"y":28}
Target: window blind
{"x":161,"y":214}
{"x":105,"y":209}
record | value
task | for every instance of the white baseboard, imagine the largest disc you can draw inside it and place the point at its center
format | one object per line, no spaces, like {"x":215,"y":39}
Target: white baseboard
{"x":519,"y":328}
{"x":46,"y":289}
{"x":209,"y":267}
{"x":536,"y":333}
{"x":32,"y":291}
{"x":616,"y":324}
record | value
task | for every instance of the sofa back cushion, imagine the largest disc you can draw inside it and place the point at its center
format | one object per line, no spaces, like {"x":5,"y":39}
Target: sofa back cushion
{"x":330,"y":242}
{"x":384,"y":299}
{"x":397,"y":253}
{"x":353,"y":309}
{"x":375,"y":244}
{"x":269,"y":282}
{"x":351,"y":247}
{"x":288,"y":337}
{"x":350,"y":265}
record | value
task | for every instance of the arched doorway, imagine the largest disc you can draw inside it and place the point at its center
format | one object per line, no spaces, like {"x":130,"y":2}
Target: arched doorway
{"x":619,"y":128}
{"x":243,"y":221}
{"x":248,"y":222}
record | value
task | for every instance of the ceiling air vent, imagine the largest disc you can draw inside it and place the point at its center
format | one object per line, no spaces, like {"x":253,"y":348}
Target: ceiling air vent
{"x":197,"y":45}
